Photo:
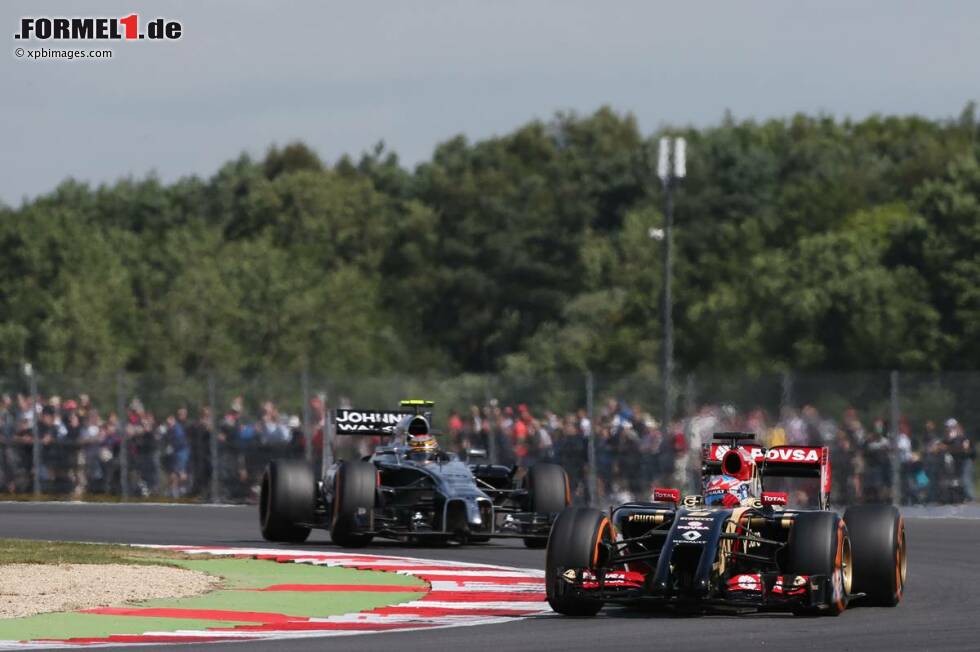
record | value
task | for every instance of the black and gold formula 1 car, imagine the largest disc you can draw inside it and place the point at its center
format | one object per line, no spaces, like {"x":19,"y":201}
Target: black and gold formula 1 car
{"x":408,"y":490}
{"x":734,"y":547}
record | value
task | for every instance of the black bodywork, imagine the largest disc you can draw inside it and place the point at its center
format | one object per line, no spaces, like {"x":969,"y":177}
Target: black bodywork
{"x":704,"y":557}
{"x":687,"y":556}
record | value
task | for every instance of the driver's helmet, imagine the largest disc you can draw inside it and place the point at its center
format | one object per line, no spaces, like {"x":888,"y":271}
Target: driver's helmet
{"x":422,"y":445}
{"x":727,"y":490}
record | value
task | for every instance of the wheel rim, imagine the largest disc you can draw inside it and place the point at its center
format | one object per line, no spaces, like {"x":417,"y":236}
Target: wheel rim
{"x":604,"y":533}
{"x":847,"y":569}
{"x":901,"y":559}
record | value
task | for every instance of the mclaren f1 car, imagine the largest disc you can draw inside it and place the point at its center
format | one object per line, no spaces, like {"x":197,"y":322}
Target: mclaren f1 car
{"x":408,"y":489}
{"x":736,"y":546}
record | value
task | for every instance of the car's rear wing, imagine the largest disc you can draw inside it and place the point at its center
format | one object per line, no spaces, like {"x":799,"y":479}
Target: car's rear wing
{"x":778,"y":462}
{"x":352,"y":421}
{"x":371,"y":423}
{"x":379,"y":423}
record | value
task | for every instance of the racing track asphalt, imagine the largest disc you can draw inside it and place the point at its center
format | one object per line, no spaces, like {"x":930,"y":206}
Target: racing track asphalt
{"x":941,"y":609}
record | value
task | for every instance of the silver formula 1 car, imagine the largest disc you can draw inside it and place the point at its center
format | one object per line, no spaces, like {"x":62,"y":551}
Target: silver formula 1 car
{"x":409,"y":489}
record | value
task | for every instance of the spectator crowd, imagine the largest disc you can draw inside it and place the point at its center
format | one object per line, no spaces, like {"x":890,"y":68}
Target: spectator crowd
{"x":634,"y":452}
{"x":80,"y":448}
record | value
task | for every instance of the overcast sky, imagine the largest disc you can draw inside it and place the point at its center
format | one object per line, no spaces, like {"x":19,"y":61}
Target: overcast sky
{"x":344,"y":75}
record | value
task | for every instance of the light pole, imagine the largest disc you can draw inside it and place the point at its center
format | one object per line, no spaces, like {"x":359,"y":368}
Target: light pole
{"x":671,"y":166}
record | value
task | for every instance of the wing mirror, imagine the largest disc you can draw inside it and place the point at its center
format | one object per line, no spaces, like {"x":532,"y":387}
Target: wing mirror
{"x":478,"y":453}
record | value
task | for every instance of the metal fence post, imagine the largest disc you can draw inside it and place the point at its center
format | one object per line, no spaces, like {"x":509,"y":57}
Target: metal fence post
{"x":491,"y":431}
{"x":690,"y":395}
{"x":35,"y":435}
{"x":213,"y":440}
{"x":894,"y":418}
{"x":327,"y":457}
{"x":123,"y":445}
{"x":307,"y":426}
{"x":786,"y":390}
{"x":593,"y":477}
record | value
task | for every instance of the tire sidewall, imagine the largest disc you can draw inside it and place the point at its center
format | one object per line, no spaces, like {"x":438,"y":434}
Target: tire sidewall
{"x":574,"y":543}
{"x":287,"y":497}
{"x":548,"y":488}
{"x":880,"y":549}
{"x":355,"y":486}
{"x":817,"y":545}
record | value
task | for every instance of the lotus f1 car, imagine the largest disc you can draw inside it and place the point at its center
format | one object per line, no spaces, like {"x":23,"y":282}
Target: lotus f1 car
{"x":408,"y":490}
{"x":734,"y":547}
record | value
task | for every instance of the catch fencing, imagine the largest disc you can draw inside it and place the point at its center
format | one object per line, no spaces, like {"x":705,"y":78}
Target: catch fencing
{"x":208,"y":437}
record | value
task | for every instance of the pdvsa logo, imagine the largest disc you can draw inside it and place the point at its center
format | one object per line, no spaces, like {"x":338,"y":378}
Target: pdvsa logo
{"x":793,"y":454}
{"x":127,"y":28}
{"x":778,"y":454}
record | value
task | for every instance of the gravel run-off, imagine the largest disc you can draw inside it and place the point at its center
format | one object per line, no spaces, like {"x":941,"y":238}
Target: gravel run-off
{"x":29,"y":589}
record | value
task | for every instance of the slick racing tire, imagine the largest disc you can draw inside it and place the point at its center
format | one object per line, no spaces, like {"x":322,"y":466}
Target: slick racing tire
{"x":574,"y":544}
{"x":354,"y":490}
{"x":548,"y":492}
{"x":880,"y":555}
{"x":819,"y":545}
{"x":287,"y":497}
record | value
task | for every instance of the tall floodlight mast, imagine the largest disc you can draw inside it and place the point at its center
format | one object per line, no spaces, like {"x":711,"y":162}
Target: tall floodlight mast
{"x":671,"y":166}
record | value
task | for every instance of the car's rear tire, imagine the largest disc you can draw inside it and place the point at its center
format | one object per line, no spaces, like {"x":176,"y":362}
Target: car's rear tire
{"x":574,"y":544}
{"x":818,"y":545}
{"x":354,"y":490}
{"x":880,"y":554}
{"x":287,"y":497}
{"x":548,"y":493}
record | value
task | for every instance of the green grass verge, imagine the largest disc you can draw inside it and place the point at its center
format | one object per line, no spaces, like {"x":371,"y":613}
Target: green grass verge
{"x":26,"y":551}
{"x":77,"y":625}
{"x":254,"y":574}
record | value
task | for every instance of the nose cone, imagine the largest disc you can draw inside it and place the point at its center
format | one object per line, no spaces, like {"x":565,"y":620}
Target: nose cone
{"x":473,"y":516}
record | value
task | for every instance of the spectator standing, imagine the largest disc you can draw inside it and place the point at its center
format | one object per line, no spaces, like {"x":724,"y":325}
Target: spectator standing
{"x":454,"y":430}
{"x":877,"y":470}
{"x":199,"y":436}
{"x":8,"y":431}
{"x":961,"y":449}
{"x":176,"y":455}
{"x":92,"y":479}
{"x":50,"y":432}
{"x":72,"y":455}
{"x":906,"y":460}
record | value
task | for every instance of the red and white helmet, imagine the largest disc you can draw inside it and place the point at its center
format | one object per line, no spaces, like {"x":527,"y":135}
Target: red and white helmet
{"x":727,"y":490}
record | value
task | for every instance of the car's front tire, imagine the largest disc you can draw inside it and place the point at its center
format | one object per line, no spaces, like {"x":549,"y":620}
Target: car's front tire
{"x":286,"y":498}
{"x":354,"y":490}
{"x":819,"y":545}
{"x":880,"y":555}
{"x":574,"y":543}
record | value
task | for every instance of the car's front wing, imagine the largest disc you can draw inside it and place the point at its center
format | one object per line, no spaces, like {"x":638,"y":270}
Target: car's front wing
{"x":768,"y":591}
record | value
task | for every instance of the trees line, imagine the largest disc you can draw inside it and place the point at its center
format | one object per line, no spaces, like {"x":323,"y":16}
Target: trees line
{"x":802,"y":243}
